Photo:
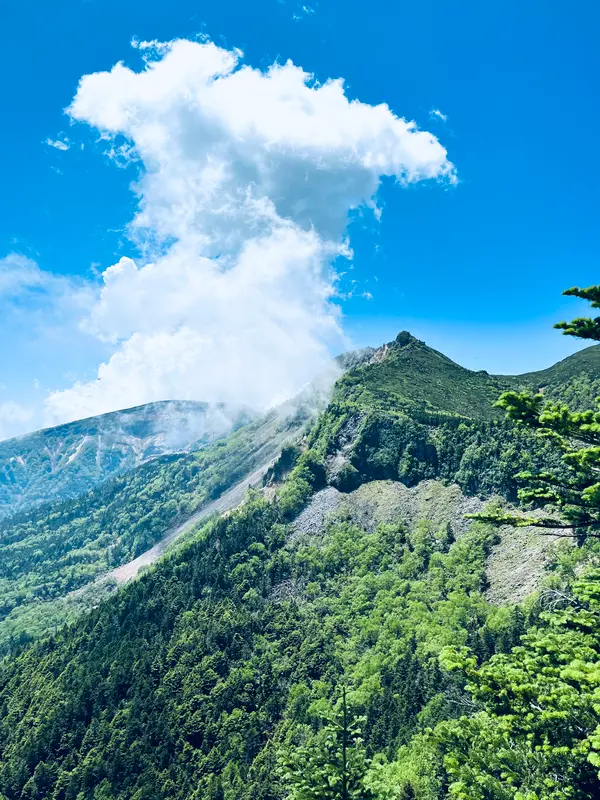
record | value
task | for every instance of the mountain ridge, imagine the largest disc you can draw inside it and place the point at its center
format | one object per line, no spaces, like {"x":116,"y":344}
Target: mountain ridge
{"x":67,"y":460}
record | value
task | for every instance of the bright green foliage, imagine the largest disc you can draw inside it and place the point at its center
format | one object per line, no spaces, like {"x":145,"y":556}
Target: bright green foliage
{"x":393,"y":445}
{"x":308,"y":476}
{"x":535,"y":733}
{"x":583,"y":327}
{"x":422,"y":382}
{"x":575,"y":374}
{"x":534,"y":728}
{"x":412,"y":375}
{"x":413,"y":414}
{"x":575,"y":492}
{"x":216,"y":675}
{"x":184,"y":684}
{"x":401,"y":417}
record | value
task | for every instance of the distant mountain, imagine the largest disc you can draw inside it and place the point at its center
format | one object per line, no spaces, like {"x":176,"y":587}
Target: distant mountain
{"x":68,"y":460}
{"x":582,"y":369}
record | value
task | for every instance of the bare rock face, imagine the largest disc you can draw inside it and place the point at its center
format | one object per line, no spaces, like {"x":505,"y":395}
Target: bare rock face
{"x":387,"y":502}
{"x":517,"y":564}
{"x":312,"y":521}
{"x":339,"y":462}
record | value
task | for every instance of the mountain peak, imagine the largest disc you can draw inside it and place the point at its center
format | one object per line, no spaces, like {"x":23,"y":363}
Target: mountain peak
{"x":405,"y":338}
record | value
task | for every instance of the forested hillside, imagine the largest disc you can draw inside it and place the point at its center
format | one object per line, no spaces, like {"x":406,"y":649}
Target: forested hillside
{"x":57,"y":548}
{"x":273,"y":659}
{"x":398,"y":413}
{"x":66,"y":461}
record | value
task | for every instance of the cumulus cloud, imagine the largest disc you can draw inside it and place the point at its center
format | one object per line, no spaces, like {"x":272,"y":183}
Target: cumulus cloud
{"x":246,"y":179}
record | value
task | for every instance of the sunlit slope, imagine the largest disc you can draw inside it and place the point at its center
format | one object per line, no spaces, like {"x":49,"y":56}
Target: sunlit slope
{"x":404,"y":412}
{"x":407,"y":373}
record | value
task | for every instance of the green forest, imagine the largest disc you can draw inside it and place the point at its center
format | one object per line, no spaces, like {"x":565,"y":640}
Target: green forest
{"x":264,"y":661}
{"x":57,"y":548}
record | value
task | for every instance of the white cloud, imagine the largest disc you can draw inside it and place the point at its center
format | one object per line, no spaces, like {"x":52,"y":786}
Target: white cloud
{"x":21,"y":276}
{"x":21,"y":279}
{"x":14,"y":419}
{"x":186,"y":329}
{"x":437,"y":114}
{"x":245,"y":185}
{"x":18,"y":274}
{"x":58,"y":144}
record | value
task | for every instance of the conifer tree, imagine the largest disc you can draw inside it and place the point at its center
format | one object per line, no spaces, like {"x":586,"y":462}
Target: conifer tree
{"x":571,"y":495}
{"x":331,"y":764}
{"x":536,"y":731}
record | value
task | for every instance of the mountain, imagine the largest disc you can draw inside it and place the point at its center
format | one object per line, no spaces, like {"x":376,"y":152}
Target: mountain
{"x":574,"y":380}
{"x":68,"y":460}
{"x":306,"y":624}
{"x":402,"y":412}
{"x":407,"y":373}
{"x":585,"y":363}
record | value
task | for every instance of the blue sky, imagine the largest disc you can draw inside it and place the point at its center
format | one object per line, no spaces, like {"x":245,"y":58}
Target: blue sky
{"x":475,"y":268}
